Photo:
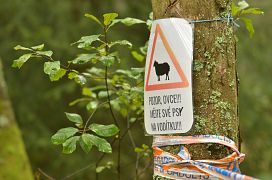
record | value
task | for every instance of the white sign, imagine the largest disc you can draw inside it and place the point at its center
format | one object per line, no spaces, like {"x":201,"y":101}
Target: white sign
{"x":168,"y":102}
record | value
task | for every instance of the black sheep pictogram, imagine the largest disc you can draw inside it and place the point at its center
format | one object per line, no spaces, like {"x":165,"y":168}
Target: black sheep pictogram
{"x":162,"y":69}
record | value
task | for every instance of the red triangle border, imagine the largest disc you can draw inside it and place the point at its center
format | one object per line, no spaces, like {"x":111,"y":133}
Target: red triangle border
{"x":183,"y":84}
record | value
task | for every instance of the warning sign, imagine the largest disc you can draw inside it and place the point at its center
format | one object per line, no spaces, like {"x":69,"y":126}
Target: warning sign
{"x":168,"y":83}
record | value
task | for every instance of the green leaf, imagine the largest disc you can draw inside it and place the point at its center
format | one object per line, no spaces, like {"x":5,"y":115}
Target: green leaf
{"x":86,"y":91}
{"x":86,"y":41}
{"x":138,"y":150}
{"x":109,"y":17}
{"x":19,"y":47}
{"x":115,"y":103}
{"x":51,"y":67}
{"x":72,"y":75}
{"x":92,"y":17}
{"x":143,"y":49}
{"x":109,"y":165}
{"x":249,"y":26}
{"x":74,"y":102}
{"x":98,"y":87}
{"x":103,"y":94}
{"x":234,"y":9}
{"x":76,"y":118}
{"x":255,"y":11}
{"x":149,"y":24}
{"x":99,"y":169}
{"x":86,"y":143}
{"x":145,"y":146}
{"x":92,"y":105}
{"x":83,"y":58}
{"x":100,"y":143}
{"x":45,"y":53}
{"x":243,"y":5}
{"x":132,"y":120}
{"x":63,"y":134}
{"x":137,"y":72}
{"x":96,"y":71}
{"x":107,"y":60}
{"x":19,"y":62}
{"x":134,"y":73}
{"x":151,"y":16}
{"x":53,"y":70}
{"x":121,"y":42}
{"x":104,"y":130}
{"x":80,"y":126}
{"x":115,"y":55}
{"x":131,"y":21}
{"x":80,"y":79}
{"x":87,"y":75}
{"x":58,"y":75}
{"x":137,"y":56}
{"x":69,"y":145}
{"x":137,"y":89}
{"x":38,"y":47}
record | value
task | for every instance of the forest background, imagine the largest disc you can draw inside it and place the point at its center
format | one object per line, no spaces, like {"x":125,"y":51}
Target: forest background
{"x":39,"y":104}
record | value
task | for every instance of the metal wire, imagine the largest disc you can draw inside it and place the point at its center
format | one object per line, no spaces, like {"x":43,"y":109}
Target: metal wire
{"x":228,"y":19}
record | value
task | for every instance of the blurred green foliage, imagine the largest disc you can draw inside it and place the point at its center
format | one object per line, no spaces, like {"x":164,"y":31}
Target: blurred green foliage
{"x":255,"y":95}
{"x":104,"y":86}
{"x":39,"y":104}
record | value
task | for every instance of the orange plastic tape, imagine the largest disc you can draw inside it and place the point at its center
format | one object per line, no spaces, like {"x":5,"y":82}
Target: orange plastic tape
{"x":180,"y":166}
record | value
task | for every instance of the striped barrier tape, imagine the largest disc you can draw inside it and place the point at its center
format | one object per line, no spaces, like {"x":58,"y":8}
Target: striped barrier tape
{"x":181,"y":166}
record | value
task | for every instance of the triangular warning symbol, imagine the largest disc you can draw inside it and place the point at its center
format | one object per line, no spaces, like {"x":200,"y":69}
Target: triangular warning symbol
{"x":168,"y":85}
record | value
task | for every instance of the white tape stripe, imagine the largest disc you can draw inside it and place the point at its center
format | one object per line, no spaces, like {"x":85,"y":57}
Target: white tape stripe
{"x":176,"y":140}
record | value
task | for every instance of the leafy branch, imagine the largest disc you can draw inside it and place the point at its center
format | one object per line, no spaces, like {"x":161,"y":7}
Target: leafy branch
{"x":240,"y":11}
{"x":120,"y":91}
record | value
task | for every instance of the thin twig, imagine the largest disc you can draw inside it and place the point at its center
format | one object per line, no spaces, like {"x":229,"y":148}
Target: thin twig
{"x":134,"y":146}
{"x":146,"y":167}
{"x":45,"y":174}
{"x":129,"y":132}
{"x":111,"y":110}
{"x":52,"y":60}
{"x":108,"y":96}
{"x":100,"y":159}
{"x":67,"y":68}
{"x":137,"y":166}
{"x":126,"y":131}
{"x":119,"y":157}
{"x":137,"y":84}
{"x":77,"y":172}
{"x":87,"y":122}
{"x":88,"y":166}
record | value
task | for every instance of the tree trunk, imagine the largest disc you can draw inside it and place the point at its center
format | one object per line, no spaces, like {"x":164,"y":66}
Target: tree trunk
{"x":214,"y":73}
{"x":14,"y":163}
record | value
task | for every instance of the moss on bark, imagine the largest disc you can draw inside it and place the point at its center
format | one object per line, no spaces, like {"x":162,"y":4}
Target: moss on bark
{"x":14,"y":163}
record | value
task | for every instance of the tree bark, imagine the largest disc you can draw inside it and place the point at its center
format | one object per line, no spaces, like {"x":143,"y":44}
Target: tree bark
{"x":214,"y":74}
{"x":14,"y":163}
